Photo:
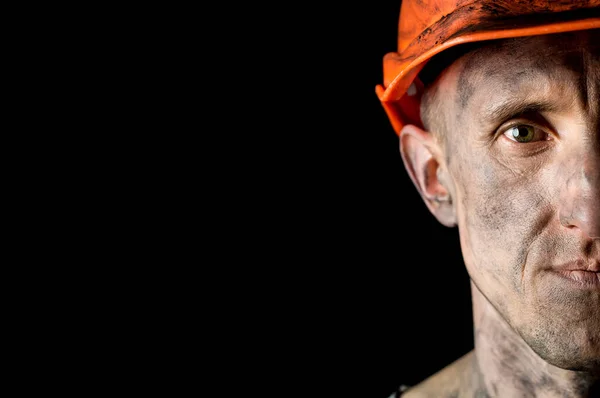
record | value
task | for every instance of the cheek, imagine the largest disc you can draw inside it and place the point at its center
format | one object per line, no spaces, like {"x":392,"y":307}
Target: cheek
{"x":500,"y":214}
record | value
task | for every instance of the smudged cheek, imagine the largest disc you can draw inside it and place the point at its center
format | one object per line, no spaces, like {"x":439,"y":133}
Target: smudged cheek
{"x":497,"y":217}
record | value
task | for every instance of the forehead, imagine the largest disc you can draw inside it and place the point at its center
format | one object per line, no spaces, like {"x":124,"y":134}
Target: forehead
{"x":535,"y":67}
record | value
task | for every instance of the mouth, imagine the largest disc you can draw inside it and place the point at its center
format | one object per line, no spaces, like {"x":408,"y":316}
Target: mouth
{"x":580,"y":278}
{"x":582,"y":274}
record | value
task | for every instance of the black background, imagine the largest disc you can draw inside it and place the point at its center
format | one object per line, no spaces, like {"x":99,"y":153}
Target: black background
{"x":391,"y":294}
{"x":363,"y":290}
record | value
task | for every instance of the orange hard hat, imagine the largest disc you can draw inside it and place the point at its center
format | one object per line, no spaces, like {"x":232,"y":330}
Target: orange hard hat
{"x":427,"y":28}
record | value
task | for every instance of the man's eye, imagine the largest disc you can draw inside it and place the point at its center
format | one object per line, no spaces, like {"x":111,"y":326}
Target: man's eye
{"x":524,"y":133}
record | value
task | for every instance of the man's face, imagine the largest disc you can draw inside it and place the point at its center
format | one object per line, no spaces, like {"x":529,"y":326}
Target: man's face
{"x":522,"y":157}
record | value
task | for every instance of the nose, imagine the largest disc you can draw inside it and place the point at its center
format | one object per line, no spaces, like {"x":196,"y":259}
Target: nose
{"x":580,"y":204}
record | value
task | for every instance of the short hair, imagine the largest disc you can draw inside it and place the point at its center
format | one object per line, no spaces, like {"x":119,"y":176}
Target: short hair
{"x":432,"y":112}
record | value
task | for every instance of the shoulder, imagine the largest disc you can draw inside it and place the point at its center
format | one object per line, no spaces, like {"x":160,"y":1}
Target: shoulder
{"x":446,"y":382}
{"x":399,"y":392}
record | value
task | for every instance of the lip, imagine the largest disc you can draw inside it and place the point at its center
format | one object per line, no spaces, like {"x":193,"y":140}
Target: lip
{"x":580,"y":273}
{"x":579,"y":265}
{"x":583,"y":279}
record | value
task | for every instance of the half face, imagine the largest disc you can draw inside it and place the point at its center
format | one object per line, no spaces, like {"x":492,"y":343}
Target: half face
{"x":522,"y":156}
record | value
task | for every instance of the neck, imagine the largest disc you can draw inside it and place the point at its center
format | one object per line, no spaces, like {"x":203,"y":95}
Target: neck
{"x":505,"y":366}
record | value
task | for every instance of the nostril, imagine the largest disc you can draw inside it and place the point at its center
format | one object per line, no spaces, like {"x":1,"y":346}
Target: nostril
{"x":580,"y":198}
{"x":586,"y":220}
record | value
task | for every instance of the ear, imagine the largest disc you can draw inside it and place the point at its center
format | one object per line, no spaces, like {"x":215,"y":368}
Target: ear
{"x":421,"y":156}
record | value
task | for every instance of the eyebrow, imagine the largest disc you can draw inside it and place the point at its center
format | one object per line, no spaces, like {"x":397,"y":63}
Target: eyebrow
{"x":514,"y":108}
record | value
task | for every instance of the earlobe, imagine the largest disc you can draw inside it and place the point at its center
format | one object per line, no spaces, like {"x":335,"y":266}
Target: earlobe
{"x":421,"y":154}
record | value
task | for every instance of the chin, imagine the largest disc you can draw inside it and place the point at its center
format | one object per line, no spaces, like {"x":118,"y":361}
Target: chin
{"x":566,"y":351}
{"x":580,"y":364}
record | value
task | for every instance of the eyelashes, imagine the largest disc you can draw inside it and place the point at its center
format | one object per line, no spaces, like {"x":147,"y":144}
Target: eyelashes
{"x":525,"y":133}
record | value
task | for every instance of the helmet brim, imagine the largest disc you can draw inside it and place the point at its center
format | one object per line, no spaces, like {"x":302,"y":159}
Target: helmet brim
{"x":400,"y":69}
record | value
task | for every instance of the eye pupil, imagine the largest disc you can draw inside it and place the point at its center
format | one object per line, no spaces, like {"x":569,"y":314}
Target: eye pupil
{"x":522,"y":133}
